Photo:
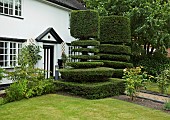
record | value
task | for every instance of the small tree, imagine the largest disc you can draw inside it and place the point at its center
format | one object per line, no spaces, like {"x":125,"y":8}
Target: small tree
{"x":64,"y":59}
{"x":135,"y":80}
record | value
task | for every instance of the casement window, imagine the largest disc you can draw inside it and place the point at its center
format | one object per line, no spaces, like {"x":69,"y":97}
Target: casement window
{"x":11,"y":7}
{"x":8,"y":53}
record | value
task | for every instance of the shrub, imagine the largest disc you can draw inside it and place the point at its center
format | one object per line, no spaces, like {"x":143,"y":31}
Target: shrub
{"x":167,"y":106}
{"x":115,"y":49}
{"x":114,"y":29}
{"x":114,"y":57}
{"x":118,"y":73}
{"x":89,"y":50}
{"x":86,"y":57}
{"x":85,"y":64}
{"x":84,"y":24}
{"x":93,"y":90}
{"x":163,"y":81}
{"x":135,"y":79}
{"x":1,"y":73}
{"x":85,"y":43}
{"x":117,"y":64}
{"x":26,"y":89}
{"x":86,"y":75}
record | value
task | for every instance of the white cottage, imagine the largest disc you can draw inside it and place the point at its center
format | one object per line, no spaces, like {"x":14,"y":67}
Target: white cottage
{"x":45,"y":22}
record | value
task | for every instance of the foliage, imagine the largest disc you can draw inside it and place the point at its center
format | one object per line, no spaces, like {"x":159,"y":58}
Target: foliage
{"x":93,"y":90}
{"x":26,"y":89}
{"x":85,"y":64}
{"x":89,"y":50}
{"x":64,"y":59}
{"x":86,"y":75}
{"x":84,"y":24}
{"x":85,"y":43}
{"x":163,"y":81}
{"x":151,"y":32}
{"x":123,"y":58}
{"x":85,"y":57}
{"x":135,"y":79}
{"x":115,"y":49}
{"x":153,"y":65}
{"x":117,"y":64}
{"x":27,"y":59}
{"x":167,"y":106}
{"x":1,"y":73}
{"x":114,"y":29}
{"x":118,"y":73}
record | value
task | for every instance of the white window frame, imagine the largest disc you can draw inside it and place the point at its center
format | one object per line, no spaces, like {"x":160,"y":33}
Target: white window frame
{"x":14,"y":9}
{"x":9,"y":53}
{"x":72,"y":53}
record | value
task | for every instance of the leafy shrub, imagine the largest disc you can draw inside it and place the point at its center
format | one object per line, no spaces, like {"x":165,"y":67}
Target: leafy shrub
{"x":84,"y":24}
{"x":85,"y":43}
{"x":163,"y":81}
{"x":86,"y":75}
{"x":117,"y":64}
{"x":89,"y":50}
{"x":93,"y":90}
{"x":26,"y":89}
{"x":114,"y":57}
{"x":115,"y":49}
{"x":167,"y":106}
{"x":114,"y":29}
{"x":134,"y":80}
{"x":1,"y":73}
{"x":118,"y":73}
{"x":153,"y":65}
{"x":85,"y":57}
{"x":85,"y":64}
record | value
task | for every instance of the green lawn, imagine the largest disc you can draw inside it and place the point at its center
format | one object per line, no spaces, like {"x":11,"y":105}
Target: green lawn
{"x":58,"y":107}
{"x":153,"y":87}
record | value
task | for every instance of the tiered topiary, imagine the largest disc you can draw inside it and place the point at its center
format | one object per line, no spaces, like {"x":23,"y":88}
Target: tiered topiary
{"x":115,"y":36}
{"x":86,"y":78}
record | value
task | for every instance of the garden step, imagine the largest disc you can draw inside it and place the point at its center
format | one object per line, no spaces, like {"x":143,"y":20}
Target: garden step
{"x":153,"y":97}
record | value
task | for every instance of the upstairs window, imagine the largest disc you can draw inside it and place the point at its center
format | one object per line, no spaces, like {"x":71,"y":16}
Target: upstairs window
{"x":10,"y":7}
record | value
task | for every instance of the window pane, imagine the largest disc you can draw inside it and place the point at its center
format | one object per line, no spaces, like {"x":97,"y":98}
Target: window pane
{"x":1,"y":58}
{"x":10,"y":11}
{"x":1,"y":9}
{"x":6,"y":3}
{"x":1,"y":3}
{"x":1,"y":44}
{"x":6,"y":11}
{"x":16,"y":12}
{"x":1,"y":51}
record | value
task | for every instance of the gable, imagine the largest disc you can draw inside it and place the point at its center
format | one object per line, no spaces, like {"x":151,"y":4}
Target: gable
{"x":49,"y":36}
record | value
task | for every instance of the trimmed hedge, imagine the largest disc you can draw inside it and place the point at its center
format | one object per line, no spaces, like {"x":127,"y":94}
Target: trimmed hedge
{"x":85,"y":43}
{"x":115,"y":49}
{"x":118,"y":64}
{"x":114,"y":57}
{"x":114,"y":29}
{"x":118,"y":73}
{"x":85,"y":64}
{"x":86,"y":57}
{"x":89,"y":50}
{"x":110,"y":88}
{"x":86,"y":75}
{"x":84,"y":24}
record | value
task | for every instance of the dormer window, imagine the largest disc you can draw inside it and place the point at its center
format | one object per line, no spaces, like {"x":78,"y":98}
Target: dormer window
{"x":10,"y":7}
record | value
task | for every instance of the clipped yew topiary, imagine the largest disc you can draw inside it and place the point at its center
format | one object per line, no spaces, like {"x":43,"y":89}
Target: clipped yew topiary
{"x":115,"y":36}
{"x":87,"y":78}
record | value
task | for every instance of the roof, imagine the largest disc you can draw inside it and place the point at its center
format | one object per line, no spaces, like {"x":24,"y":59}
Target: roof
{"x":71,"y":4}
{"x":53,"y":33}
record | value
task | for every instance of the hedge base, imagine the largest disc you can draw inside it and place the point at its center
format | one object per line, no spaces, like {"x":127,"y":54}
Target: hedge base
{"x":113,"y":87}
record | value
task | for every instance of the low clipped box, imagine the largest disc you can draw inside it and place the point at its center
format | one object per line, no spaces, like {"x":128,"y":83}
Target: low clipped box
{"x":86,"y":75}
{"x":118,"y":64}
{"x":84,"y":24}
{"x":85,"y":43}
{"x":114,"y":57}
{"x":100,"y":90}
{"x":85,"y":64}
{"x":115,"y":49}
{"x":118,"y":73}
{"x":114,"y":29}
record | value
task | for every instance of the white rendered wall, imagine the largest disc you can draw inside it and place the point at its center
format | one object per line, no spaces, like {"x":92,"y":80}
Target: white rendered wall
{"x":37,"y":17}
